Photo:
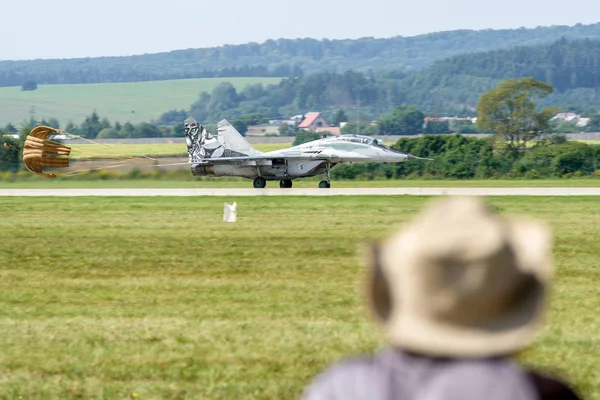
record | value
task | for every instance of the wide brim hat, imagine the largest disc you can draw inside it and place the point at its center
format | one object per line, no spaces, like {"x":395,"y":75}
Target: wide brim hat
{"x":461,"y":281}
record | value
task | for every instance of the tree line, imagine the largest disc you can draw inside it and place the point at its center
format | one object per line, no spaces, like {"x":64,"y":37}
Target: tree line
{"x":509,"y":110}
{"x":455,"y":157}
{"x":407,"y":54}
{"x":95,"y":127}
{"x":93,"y":74}
{"x":460,"y":157}
{"x":364,"y":96}
{"x":372,"y":94}
{"x":572,"y":67}
{"x":449,"y":87}
{"x":563,"y":64}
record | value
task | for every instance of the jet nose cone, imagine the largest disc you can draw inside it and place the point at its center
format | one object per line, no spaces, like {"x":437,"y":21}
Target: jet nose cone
{"x":410,"y":157}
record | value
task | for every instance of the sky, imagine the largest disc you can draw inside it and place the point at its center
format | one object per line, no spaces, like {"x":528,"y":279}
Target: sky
{"x":80,"y":28}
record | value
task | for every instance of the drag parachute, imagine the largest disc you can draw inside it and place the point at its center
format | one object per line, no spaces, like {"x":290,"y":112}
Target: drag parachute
{"x":39,"y":152}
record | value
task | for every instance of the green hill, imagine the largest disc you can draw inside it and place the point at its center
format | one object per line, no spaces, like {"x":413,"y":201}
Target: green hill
{"x":133,"y":102}
{"x":285,"y":57}
{"x":450,"y":86}
{"x":571,"y":67}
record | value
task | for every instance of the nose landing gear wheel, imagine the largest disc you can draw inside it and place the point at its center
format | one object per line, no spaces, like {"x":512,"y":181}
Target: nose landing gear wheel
{"x":259,"y":182}
{"x":285,"y":183}
{"x":324,"y":185}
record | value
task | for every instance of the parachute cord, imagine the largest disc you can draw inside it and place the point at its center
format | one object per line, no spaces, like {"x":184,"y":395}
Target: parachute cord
{"x":83,"y":171}
{"x":105,"y":145}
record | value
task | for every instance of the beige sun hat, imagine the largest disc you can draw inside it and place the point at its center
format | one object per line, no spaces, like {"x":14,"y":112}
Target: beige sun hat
{"x":461,"y":281}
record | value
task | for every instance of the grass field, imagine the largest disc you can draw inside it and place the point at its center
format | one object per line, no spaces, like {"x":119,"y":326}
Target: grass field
{"x":152,"y":150}
{"x":134,"y":102}
{"x":106,"y":297}
{"x":70,"y":183}
{"x":168,"y":149}
{"x":589,"y":141}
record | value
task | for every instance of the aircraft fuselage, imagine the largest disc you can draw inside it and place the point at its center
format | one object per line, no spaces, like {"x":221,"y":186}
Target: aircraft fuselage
{"x":277,"y":169}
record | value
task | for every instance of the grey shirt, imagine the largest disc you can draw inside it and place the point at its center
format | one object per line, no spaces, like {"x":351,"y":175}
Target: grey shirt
{"x":392,"y":374}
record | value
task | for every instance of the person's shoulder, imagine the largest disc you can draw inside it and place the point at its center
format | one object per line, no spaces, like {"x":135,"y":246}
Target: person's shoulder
{"x":550,"y":388}
{"x":351,"y":378}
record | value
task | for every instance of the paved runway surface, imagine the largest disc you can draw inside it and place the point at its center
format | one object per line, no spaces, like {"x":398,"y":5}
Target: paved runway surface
{"x":307,"y":192}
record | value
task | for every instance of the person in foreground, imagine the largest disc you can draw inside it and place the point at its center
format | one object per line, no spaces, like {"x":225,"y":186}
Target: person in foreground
{"x":458,"y":293}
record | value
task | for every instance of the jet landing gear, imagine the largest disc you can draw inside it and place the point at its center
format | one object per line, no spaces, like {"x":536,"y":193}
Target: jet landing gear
{"x":259,"y":182}
{"x":326,"y":184}
{"x":285,"y":183}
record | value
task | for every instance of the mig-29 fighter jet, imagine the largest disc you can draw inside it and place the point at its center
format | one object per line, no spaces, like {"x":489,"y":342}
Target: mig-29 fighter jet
{"x":229,"y":154}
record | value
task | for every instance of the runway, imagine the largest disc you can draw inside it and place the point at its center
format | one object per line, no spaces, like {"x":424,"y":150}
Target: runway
{"x":306,"y":192}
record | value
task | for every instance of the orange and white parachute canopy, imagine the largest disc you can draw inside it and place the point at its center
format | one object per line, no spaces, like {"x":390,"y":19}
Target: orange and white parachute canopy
{"x":39,"y":152}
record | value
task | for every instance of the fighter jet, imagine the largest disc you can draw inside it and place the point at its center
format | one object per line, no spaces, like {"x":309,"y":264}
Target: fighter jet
{"x":229,"y":154}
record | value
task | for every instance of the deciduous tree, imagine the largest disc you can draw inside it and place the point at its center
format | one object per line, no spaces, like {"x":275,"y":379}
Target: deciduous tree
{"x":404,"y":120}
{"x":594,"y":124}
{"x":340,"y":116}
{"x":29,"y":85}
{"x":510,"y":111}
{"x":9,"y":154}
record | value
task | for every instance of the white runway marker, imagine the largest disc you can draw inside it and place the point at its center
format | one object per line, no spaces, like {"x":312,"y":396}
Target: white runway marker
{"x":230,"y":212}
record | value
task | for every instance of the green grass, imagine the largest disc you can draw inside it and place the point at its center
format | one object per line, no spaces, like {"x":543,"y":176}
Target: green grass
{"x":167,"y":149}
{"x":590,"y":141}
{"x":151,"y":150}
{"x":224,"y":182}
{"x":104,"y":297}
{"x":134,"y":102}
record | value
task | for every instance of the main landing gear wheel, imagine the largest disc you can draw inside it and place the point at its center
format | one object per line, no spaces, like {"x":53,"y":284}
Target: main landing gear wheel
{"x":326,"y":184}
{"x":259,"y":182}
{"x":285,"y":183}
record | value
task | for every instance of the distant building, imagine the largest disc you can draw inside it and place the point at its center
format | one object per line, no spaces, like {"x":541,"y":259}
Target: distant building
{"x":297,"y":118}
{"x":450,"y":120}
{"x":262,"y":130}
{"x":435,"y":119}
{"x":572,"y":117}
{"x":312,"y":121}
{"x":567,"y":116}
{"x":329,"y":130}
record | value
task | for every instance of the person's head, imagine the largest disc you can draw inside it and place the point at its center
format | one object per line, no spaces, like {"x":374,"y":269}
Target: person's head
{"x":461,"y":281}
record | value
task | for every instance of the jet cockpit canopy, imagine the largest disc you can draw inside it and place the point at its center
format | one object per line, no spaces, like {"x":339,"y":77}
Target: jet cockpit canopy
{"x":365,"y":140}
{"x":369,"y":141}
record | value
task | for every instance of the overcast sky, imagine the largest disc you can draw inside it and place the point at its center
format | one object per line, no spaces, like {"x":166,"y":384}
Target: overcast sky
{"x":82,"y":28}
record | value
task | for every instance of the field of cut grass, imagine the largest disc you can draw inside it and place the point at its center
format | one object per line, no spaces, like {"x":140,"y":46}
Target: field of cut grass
{"x":152,"y":150}
{"x":133,"y":101}
{"x":106,"y":297}
{"x":168,"y":149}
{"x":70,"y":183}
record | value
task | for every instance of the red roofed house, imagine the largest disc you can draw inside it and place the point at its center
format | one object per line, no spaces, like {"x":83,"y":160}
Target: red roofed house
{"x":312,"y":121}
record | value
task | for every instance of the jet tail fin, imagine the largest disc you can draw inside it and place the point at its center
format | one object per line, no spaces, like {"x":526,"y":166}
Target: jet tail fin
{"x":202,"y":145}
{"x":232,"y":140}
